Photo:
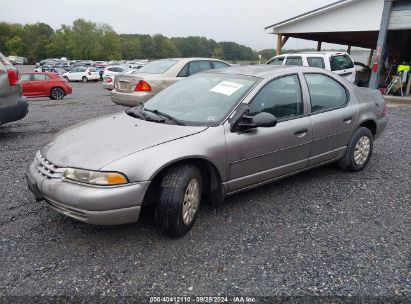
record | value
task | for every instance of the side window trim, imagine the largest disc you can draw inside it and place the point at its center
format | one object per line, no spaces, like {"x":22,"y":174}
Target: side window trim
{"x":301,"y":93}
{"x":347,"y":93}
{"x":186,"y":74}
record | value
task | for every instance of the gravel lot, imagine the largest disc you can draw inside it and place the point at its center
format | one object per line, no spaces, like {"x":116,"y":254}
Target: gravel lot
{"x":321,"y":233}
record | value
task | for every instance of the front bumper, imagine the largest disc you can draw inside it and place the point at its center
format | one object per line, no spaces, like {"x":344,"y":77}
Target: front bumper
{"x":91,"y":204}
{"x":130,"y":99}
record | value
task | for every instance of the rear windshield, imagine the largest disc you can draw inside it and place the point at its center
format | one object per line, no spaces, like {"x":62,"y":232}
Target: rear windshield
{"x":158,"y":67}
{"x":341,"y":62}
{"x":4,"y":60}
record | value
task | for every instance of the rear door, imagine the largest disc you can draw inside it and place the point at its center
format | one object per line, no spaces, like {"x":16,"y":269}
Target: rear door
{"x":39,"y":84}
{"x":333,"y":113}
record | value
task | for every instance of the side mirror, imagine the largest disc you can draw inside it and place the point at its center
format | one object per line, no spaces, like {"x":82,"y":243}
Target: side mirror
{"x":261,"y":120}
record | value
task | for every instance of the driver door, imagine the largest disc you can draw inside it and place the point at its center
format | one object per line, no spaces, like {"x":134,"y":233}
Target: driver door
{"x":264,"y":154}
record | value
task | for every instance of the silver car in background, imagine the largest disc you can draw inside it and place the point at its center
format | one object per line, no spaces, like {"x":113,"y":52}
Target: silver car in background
{"x":212,"y":135}
{"x":132,"y":90}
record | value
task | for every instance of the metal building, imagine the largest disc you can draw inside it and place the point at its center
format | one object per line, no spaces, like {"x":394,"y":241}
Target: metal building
{"x":383,"y":26}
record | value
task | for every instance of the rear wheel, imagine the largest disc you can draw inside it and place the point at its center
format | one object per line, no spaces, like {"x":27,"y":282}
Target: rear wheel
{"x":358,"y":151}
{"x":57,"y":94}
{"x":84,"y":79}
{"x":179,"y":200}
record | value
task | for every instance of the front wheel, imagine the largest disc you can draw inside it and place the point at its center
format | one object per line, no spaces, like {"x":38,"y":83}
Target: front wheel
{"x":84,"y":79}
{"x":57,"y":94}
{"x":358,"y":151}
{"x":179,"y":200}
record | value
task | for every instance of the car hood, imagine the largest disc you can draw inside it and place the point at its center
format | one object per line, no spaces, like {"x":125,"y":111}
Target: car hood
{"x":98,"y":142}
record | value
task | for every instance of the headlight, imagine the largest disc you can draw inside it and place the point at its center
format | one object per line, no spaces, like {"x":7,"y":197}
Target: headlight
{"x":95,"y":177}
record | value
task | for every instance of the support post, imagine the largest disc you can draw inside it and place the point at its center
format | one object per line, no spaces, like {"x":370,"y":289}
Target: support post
{"x":370,"y":57}
{"x":279,"y":40}
{"x":382,"y":36}
{"x":319,"y":43}
{"x":349,"y":49}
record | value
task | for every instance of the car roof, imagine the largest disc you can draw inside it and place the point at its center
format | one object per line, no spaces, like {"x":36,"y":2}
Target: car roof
{"x":265,"y":70}
{"x":314,"y":53}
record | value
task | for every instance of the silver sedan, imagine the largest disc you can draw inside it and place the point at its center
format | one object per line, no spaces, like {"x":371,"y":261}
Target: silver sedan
{"x":138,"y":87}
{"x":212,"y":135}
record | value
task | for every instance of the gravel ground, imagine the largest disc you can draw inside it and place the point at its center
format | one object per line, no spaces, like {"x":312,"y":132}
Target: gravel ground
{"x":322,"y":233}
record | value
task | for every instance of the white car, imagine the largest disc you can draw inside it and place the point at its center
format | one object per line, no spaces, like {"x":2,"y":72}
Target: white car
{"x":83,"y":74}
{"x":337,"y":62}
{"x":114,"y":70}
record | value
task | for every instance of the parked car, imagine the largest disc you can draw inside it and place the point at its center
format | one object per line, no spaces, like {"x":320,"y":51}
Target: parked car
{"x":83,"y":74}
{"x":134,"y":89}
{"x":212,"y":135}
{"x":114,"y":70}
{"x":337,"y":62}
{"x":362,"y":75}
{"x":45,"y":85}
{"x":58,"y":71}
{"x":108,"y":82}
{"x":13,"y":106}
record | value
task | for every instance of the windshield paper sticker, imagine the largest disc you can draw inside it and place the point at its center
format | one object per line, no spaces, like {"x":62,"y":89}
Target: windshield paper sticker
{"x":226,"y":88}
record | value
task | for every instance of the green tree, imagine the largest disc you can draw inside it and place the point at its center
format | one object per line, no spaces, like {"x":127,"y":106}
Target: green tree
{"x":14,"y":46}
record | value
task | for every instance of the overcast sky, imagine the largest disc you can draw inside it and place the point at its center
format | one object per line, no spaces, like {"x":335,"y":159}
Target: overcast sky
{"x":242,"y":21}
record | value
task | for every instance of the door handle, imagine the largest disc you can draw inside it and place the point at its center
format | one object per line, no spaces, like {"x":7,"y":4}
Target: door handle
{"x":301,"y":133}
{"x":347,"y":119}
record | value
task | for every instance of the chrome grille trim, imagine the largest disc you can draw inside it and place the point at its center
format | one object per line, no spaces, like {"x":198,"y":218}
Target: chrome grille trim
{"x":46,"y":168}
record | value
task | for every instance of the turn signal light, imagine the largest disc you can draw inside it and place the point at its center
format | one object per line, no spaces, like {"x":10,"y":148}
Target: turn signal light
{"x":142,"y":86}
{"x":13,"y":77}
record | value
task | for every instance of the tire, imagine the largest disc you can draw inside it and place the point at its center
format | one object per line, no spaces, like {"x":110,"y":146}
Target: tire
{"x":359,"y":150}
{"x":57,"y":94}
{"x":84,"y":79}
{"x":179,"y":200}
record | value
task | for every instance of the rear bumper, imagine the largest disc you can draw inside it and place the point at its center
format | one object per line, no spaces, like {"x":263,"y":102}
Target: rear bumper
{"x":381,"y":125}
{"x":130,"y":99}
{"x":90,"y":204}
{"x":15,"y":112}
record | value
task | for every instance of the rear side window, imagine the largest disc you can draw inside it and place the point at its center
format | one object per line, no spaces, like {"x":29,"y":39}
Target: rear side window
{"x":325,"y":92}
{"x":220,"y":65}
{"x":25,"y":77}
{"x":39,"y":77}
{"x":198,"y":66}
{"x":281,"y":97}
{"x":276,"y":61}
{"x":294,"y":61}
{"x":316,"y":62}
{"x":341,"y":62}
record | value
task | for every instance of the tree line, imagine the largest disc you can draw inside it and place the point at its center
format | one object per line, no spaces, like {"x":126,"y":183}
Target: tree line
{"x":98,"y":41}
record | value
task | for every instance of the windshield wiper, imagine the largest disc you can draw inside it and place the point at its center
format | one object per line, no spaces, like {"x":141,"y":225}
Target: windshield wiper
{"x":165,"y":115}
{"x":138,"y":113}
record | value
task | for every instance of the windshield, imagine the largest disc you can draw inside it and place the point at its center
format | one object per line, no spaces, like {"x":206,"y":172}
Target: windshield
{"x":202,"y":99}
{"x":158,"y":67}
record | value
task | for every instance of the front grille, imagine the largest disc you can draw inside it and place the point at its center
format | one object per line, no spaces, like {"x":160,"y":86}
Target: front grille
{"x":46,"y":168}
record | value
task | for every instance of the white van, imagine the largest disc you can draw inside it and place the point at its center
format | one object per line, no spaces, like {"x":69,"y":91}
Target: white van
{"x":338,"y":62}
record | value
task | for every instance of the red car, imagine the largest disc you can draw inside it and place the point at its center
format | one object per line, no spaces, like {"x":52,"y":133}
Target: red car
{"x":44,"y":85}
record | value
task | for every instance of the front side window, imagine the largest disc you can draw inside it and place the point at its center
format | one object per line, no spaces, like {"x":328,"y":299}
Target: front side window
{"x":317,"y":62}
{"x":198,"y":66}
{"x":158,"y":67}
{"x":294,"y":60}
{"x":281,"y":97}
{"x":276,"y":61}
{"x":341,"y":62}
{"x":325,"y":92}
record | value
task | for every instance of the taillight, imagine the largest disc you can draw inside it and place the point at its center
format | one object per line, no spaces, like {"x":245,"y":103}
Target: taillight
{"x":13,"y":77}
{"x":109,"y":79}
{"x":142,"y":86}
